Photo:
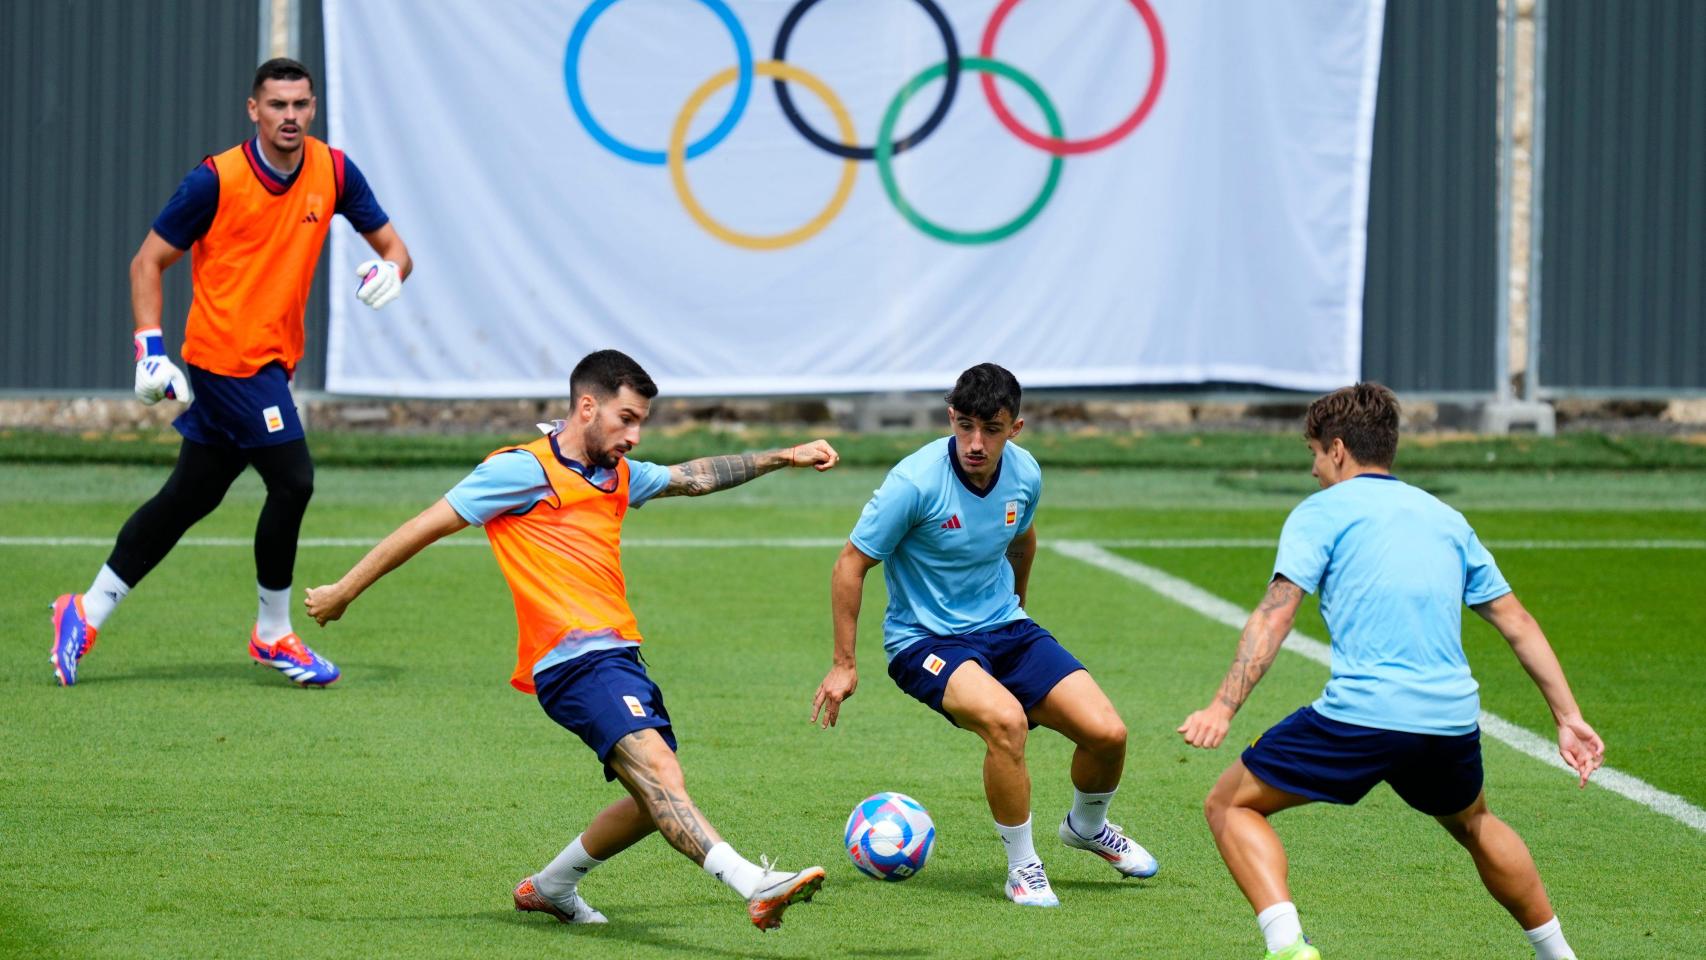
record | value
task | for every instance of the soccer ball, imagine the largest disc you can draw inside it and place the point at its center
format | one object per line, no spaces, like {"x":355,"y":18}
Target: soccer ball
{"x":889,"y":836}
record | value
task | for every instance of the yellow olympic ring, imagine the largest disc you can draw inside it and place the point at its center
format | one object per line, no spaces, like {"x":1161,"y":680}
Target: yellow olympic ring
{"x":677,"y":157}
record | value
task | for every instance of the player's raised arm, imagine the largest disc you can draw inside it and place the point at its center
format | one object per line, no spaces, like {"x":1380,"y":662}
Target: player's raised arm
{"x":434,"y":523}
{"x":710,"y":474}
{"x":846,"y":592}
{"x":1578,"y":744}
{"x":1267,"y":628}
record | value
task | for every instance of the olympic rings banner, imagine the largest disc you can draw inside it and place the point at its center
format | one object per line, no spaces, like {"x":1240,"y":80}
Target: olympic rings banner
{"x":820,"y":196}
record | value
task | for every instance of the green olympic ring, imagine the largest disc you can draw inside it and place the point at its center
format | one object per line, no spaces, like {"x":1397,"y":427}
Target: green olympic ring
{"x":885,"y":153}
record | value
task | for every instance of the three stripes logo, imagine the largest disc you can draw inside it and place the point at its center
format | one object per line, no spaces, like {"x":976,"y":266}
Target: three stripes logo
{"x":953,"y":523}
{"x":311,"y":218}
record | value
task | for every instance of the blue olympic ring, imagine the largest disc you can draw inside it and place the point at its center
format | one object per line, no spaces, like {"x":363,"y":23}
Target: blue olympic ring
{"x":743,"y":87}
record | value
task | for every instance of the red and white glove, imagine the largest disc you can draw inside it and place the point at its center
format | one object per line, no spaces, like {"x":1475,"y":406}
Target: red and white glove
{"x":381,"y":283}
{"x":157,"y":376}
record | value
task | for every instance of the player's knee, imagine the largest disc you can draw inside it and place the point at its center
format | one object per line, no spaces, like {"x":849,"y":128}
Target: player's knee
{"x":1107,"y":739}
{"x":1216,"y":805}
{"x":295,"y":485}
{"x":1005,"y":729}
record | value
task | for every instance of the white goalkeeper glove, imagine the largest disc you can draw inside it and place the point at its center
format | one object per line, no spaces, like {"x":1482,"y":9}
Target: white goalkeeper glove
{"x":156,"y":375}
{"x":381,"y":283}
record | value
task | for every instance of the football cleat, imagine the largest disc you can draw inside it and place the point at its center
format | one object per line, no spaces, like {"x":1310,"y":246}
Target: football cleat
{"x":779,"y":890}
{"x":1301,"y":950}
{"x":1112,"y":845}
{"x":1028,"y":886}
{"x":72,"y":637}
{"x":528,"y":897}
{"x":291,"y":657}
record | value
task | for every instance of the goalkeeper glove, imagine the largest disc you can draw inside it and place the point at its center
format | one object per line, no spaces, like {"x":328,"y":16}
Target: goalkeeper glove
{"x":381,"y":283}
{"x":156,"y":375}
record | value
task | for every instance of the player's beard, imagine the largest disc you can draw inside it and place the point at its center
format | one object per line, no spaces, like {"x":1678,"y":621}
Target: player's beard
{"x":599,"y":452}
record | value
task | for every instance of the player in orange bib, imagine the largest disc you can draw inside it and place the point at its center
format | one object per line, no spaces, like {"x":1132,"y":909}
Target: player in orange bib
{"x":254,"y":217}
{"x":553,"y":511}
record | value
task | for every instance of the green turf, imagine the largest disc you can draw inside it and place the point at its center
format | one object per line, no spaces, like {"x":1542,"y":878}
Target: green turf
{"x":179,"y":802}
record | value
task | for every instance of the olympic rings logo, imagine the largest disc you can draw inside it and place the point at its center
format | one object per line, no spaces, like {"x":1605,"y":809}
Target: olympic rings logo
{"x":887,"y":145}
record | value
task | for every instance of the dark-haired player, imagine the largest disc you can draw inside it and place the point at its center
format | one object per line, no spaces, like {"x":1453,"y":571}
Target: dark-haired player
{"x":254,"y":219}
{"x":953,"y":524}
{"x":1394,"y":567}
{"x":553,"y":510}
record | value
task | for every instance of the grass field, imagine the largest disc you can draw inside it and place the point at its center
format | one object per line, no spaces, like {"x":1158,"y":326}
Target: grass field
{"x":179,"y":802}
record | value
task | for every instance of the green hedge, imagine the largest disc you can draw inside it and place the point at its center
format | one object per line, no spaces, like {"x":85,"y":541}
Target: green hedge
{"x":1223,"y":451}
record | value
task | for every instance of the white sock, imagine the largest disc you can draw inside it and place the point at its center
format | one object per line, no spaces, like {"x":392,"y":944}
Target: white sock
{"x":743,"y":876}
{"x":1089,"y":812}
{"x":1548,"y":941}
{"x":560,"y":877}
{"x":273,"y":620}
{"x":1280,"y":925}
{"x":1017,"y":839}
{"x":103,"y":596}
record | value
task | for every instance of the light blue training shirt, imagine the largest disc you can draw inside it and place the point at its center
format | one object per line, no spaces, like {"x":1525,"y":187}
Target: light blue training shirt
{"x":1394,"y":567}
{"x":514,"y":482}
{"x":943,"y":542}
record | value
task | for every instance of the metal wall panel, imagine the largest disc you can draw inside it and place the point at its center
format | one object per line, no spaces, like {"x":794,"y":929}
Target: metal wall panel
{"x":1623,"y":258}
{"x":111,"y":103}
{"x":1431,"y":297}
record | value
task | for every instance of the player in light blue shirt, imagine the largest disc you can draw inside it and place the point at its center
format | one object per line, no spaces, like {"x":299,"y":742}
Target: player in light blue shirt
{"x":1393,"y":568}
{"x":952,"y":523}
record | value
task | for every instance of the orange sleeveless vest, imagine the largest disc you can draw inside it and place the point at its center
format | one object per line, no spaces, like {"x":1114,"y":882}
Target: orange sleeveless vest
{"x":563,"y":561}
{"x":252,"y":269}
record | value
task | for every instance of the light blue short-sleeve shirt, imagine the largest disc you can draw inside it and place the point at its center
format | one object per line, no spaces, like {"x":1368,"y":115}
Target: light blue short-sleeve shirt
{"x":943,"y":543}
{"x":1393,"y":567}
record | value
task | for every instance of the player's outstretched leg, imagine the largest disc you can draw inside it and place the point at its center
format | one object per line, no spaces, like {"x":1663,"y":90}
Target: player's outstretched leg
{"x":979,"y":703}
{"x":646,"y":765}
{"x":1237,"y":809}
{"x":1079,"y":710}
{"x":1508,"y":871}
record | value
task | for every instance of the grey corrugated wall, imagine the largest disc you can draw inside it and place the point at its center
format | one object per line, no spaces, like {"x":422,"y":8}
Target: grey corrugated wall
{"x":120,"y":100}
{"x":1623,"y":270}
{"x":110,"y":104}
{"x":1431,"y":289}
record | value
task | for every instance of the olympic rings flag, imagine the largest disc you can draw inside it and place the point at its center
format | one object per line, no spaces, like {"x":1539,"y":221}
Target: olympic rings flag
{"x":819,"y":196}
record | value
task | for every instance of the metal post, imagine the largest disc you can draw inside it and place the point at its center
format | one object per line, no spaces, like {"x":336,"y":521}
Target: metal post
{"x":281,"y":29}
{"x":1537,"y":205}
{"x":1507,"y":161}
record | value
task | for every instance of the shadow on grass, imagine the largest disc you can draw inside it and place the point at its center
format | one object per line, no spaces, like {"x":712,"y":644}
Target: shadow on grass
{"x":743,"y":942}
{"x":244,"y":672}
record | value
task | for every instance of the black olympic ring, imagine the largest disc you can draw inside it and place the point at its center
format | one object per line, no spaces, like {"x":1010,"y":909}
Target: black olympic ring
{"x":949,"y":88}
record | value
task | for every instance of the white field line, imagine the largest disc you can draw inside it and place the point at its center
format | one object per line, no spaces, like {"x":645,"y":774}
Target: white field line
{"x":820,"y":542}
{"x":1223,"y":612}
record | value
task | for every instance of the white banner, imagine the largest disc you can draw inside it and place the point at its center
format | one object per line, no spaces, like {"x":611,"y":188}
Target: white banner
{"x":1088,"y":192}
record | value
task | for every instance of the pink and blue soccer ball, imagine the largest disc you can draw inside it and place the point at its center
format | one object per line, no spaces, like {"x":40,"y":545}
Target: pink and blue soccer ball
{"x":889,"y":836}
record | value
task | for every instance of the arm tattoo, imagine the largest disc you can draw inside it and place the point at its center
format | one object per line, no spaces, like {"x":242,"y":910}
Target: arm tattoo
{"x":710,"y":474}
{"x":680,"y":822}
{"x":1259,"y":645}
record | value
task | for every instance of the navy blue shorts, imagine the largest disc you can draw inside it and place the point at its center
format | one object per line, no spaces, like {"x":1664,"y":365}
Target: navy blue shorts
{"x":240,"y":412}
{"x":1323,"y":759}
{"x":602,"y":697}
{"x":1021,"y":656}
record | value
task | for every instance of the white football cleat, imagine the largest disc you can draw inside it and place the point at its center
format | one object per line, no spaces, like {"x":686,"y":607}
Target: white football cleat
{"x":1111,"y":844}
{"x":1028,"y":886}
{"x":577,"y":910}
{"x":778,"y":890}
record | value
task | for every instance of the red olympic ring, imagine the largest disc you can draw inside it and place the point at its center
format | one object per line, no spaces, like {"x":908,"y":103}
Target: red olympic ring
{"x":1056,"y":145}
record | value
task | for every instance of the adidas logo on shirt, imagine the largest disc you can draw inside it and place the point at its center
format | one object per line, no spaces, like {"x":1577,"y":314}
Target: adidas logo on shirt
{"x":953,"y":523}
{"x":311,"y":218}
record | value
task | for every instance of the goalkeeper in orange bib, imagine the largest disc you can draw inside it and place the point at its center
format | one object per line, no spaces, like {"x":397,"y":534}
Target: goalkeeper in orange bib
{"x":254,"y":217}
{"x":553,"y":511}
